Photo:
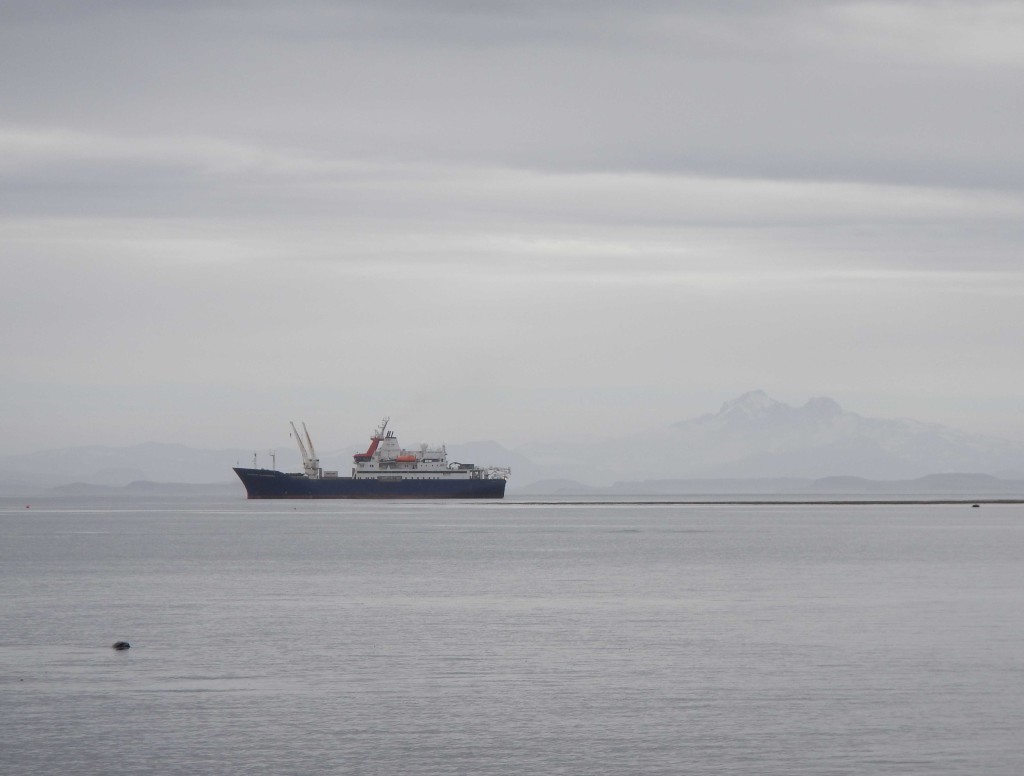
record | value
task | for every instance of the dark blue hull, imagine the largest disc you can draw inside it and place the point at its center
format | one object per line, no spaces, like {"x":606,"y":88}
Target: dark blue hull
{"x":265,"y":483}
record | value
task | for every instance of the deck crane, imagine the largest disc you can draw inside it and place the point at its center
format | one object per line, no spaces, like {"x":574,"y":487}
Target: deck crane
{"x":310,"y":463}
{"x":376,"y":439}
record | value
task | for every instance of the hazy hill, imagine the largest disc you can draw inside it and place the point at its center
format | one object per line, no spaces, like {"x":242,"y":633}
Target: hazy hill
{"x":108,"y":470}
{"x":152,"y":489}
{"x":119,"y":466}
{"x":933,"y":485}
{"x":749,"y":441}
{"x":755,"y":436}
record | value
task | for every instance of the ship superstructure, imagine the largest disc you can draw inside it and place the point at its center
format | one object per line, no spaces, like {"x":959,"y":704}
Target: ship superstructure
{"x":385,"y":459}
{"x":385,"y":470}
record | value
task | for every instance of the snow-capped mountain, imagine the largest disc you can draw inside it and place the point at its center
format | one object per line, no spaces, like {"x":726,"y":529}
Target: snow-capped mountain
{"x":757,"y":436}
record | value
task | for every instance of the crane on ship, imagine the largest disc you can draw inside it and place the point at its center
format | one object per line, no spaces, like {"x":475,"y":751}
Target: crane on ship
{"x":376,"y":439}
{"x":310,"y":462}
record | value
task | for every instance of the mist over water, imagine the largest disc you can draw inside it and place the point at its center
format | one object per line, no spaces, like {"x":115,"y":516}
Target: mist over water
{"x":497,"y":638}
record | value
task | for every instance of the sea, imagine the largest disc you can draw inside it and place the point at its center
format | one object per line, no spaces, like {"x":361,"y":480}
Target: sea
{"x":509,"y":637}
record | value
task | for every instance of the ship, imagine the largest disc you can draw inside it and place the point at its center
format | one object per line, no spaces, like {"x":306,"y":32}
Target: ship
{"x":384,"y":471}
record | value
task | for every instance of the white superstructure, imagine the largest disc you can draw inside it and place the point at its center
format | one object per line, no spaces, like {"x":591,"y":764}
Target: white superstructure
{"x":386,"y":460}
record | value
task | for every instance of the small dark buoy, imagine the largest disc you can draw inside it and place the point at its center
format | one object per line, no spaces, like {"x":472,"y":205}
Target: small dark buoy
{"x":974,"y":506}
{"x":119,"y":645}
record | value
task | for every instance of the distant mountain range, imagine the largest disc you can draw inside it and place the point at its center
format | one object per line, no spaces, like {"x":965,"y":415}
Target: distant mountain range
{"x":753,"y":441}
{"x":115,"y":467}
{"x":933,"y":485}
{"x":147,"y":489}
{"x":755,"y":436}
{"x":101,"y":470}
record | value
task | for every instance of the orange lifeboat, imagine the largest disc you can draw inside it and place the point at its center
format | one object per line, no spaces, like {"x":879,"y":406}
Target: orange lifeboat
{"x":406,"y":458}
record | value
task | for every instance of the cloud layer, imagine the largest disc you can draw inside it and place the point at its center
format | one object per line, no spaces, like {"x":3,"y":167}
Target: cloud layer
{"x":511,"y":221}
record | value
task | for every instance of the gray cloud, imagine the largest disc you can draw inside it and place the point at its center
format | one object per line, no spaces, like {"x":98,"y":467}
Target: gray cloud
{"x":511,"y":218}
{"x":812,"y":91}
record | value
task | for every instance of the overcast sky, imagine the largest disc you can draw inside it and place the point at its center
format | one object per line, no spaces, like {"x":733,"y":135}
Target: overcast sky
{"x":509,"y":221}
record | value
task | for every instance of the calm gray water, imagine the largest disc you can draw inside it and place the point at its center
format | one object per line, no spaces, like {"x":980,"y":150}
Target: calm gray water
{"x":505,"y":638}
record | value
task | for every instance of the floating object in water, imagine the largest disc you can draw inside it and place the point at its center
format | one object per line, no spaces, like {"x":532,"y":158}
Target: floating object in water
{"x":119,"y":645}
{"x":975,"y":506}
